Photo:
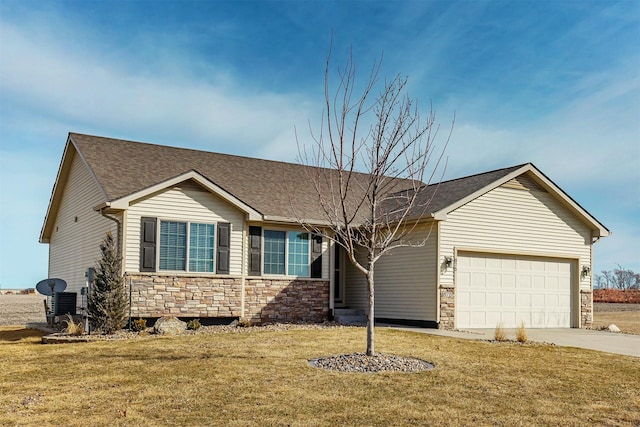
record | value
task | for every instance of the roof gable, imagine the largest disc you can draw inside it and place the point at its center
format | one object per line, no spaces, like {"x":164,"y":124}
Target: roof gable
{"x":448,"y":196}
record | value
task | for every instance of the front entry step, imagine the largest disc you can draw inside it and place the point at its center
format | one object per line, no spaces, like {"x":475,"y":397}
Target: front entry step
{"x":349,"y":316}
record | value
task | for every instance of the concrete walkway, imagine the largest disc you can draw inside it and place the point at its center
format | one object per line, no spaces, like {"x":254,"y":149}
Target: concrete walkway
{"x":609,"y":342}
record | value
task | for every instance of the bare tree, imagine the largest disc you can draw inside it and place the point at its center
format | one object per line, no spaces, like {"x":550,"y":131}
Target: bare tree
{"x":369,"y":164}
{"x":618,"y":278}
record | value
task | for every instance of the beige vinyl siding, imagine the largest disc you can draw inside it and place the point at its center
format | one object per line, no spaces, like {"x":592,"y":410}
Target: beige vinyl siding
{"x":78,"y":230}
{"x":184,"y":202}
{"x":405,"y":281}
{"x":512,"y":221}
{"x":355,"y":283}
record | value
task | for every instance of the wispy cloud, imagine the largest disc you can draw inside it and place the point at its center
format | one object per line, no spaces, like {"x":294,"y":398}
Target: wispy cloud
{"x":99,"y":94}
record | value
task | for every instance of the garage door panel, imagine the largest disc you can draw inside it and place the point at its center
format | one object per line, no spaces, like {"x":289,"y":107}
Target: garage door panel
{"x":478,"y":299}
{"x":509,"y":281}
{"x":552,"y":283}
{"x":523,"y":301}
{"x":464,"y":298}
{"x":512,"y":289}
{"x":537,"y":282}
{"x":508,"y":299}
{"x":493,"y":280}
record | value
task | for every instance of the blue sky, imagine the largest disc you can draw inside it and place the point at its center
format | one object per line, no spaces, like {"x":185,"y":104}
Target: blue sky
{"x":556,"y":83}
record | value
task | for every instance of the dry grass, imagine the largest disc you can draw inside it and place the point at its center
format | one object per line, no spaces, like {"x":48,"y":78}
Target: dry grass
{"x":521,"y":333}
{"x":263,"y":378}
{"x":627,"y":321}
{"x":72,"y":327}
{"x":500,"y":334}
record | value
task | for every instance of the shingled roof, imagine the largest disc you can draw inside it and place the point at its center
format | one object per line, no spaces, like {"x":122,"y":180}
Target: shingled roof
{"x":124,"y":169}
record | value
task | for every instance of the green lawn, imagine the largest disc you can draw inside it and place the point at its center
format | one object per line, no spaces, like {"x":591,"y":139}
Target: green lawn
{"x":263,"y":379}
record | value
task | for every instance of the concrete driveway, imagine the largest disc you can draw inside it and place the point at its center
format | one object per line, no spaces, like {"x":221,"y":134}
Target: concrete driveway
{"x":609,"y":342}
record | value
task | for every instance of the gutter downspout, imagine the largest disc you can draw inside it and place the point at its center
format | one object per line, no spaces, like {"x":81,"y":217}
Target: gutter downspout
{"x":118,"y":229}
{"x":243,"y":272}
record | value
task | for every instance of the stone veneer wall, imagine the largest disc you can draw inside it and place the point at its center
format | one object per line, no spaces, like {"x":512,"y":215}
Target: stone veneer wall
{"x":447,"y":308}
{"x":586,"y":308}
{"x":266,"y":300}
{"x":272,"y":300}
{"x":158,"y":295}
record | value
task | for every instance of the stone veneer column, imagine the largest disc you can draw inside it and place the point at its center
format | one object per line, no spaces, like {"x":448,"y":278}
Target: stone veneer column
{"x":586,"y":308}
{"x":447,"y":308}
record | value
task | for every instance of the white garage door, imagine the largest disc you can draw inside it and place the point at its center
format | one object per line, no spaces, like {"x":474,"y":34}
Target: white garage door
{"x":492,"y":288}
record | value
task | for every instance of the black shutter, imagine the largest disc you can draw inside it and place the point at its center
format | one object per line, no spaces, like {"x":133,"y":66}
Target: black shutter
{"x":224,"y":243}
{"x":316,"y":256}
{"x":255,"y":249}
{"x":148,"y":244}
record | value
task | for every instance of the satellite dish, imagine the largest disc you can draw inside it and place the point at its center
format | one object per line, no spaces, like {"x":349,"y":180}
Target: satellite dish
{"x":49,"y":287}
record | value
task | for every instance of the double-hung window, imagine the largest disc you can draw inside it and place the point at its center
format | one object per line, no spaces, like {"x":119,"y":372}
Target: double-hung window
{"x":287,"y":252}
{"x":187,"y":246}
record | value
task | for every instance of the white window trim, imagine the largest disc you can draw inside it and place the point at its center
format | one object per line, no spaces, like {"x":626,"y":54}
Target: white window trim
{"x":286,"y":252}
{"x":188,"y":236}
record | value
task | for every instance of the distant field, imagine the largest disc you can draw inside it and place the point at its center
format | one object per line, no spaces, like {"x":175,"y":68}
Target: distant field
{"x":20,"y":309}
{"x":624,"y":316}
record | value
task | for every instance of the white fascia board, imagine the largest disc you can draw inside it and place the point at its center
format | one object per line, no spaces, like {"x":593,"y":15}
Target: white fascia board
{"x":70,"y":150}
{"x":124,"y":202}
{"x":287,"y":220}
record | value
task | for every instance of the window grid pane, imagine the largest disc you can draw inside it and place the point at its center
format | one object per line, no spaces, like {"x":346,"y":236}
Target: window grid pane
{"x":201,"y":247}
{"x":274,"y":244}
{"x":173,"y":245}
{"x":298,"y":254}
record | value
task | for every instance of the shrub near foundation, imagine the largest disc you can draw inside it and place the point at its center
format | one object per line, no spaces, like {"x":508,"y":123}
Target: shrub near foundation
{"x":72,"y":327}
{"x":194,"y":324}
{"x":139,"y":324}
{"x":521,"y":333}
{"x":499,"y":334}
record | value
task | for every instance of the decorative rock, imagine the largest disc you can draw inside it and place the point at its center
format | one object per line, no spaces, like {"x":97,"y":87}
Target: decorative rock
{"x":360,"y":362}
{"x":613,"y":328}
{"x":169,"y":325}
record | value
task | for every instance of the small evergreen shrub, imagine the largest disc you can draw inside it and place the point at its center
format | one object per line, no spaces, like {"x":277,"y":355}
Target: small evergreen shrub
{"x":521,"y":334}
{"x":500,"y":334}
{"x":194,"y":324}
{"x":108,"y":301}
{"x":139,"y":324}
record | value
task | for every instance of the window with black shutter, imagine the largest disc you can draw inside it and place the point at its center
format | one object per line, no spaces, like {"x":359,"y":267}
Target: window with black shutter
{"x":255,"y":249}
{"x":148,"y":244}
{"x":316,"y":256}
{"x":223,"y":249}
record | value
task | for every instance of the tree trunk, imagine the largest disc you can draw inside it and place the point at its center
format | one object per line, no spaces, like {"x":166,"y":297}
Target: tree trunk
{"x":370,"y":316}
